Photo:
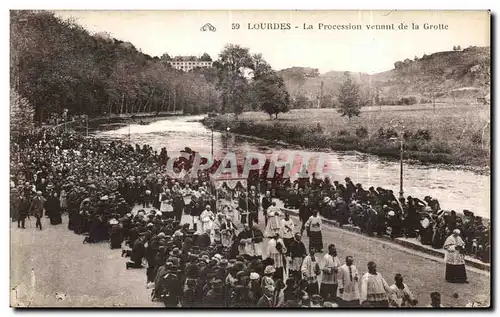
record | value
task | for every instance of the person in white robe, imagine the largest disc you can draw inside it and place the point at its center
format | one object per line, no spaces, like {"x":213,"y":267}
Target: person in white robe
{"x":276,"y":251}
{"x":454,"y":258}
{"x":230,"y":213}
{"x":207,"y":218}
{"x":401,"y":295}
{"x":330,"y":266}
{"x":217,"y":227}
{"x":374,"y":289}
{"x":187,"y":192}
{"x":313,"y":227}
{"x":310,"y":271}
{"x":251,"y":242}
{"x":273,"y":221}
{"x":348,"y":283}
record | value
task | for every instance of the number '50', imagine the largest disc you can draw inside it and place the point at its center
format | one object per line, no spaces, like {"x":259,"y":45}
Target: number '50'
{"x":235,"y":26}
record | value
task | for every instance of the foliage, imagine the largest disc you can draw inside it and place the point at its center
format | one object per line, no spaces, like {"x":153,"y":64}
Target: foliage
{"x":361,"y":132}
{"x":423,"y":134}
{"x":343,"y":132}
{"x":326,"y":101}
{"x":232,"y":84}
{"x":301,"y":127}
{"x":407,"y":101}
{"x":205,"y":57}
{"x":301,"y":102}
{"x":268,"y":89}
{"x":57,"y":64}
{"x":21,"y":114}
{"x":349,"y":98}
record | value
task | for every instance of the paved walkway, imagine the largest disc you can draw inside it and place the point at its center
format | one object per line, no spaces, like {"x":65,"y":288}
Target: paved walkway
{"x":54,"y":260}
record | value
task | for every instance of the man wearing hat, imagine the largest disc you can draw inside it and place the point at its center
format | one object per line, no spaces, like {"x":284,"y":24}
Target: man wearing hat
{"x":36,"y":208}
{"x":23,"y":206}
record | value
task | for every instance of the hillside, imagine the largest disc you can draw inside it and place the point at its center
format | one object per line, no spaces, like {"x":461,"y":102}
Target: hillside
{"x":56,"y":64}
{"x":441,"y":75}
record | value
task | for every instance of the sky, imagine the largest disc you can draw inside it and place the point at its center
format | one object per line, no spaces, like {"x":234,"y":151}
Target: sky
{"x":366,"y":50}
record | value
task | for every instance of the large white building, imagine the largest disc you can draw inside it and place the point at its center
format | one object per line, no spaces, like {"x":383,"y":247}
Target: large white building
{"x":186,"y":65}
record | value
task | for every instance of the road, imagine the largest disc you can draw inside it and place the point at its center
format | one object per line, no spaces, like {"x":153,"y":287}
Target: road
{"x":54,"y":260}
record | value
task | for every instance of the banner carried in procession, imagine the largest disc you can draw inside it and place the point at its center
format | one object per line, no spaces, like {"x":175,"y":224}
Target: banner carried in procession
{"x":229,"y":181}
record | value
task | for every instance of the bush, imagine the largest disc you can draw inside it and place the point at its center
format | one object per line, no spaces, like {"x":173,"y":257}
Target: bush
{"x":391,"y":133}
{"x":361,"y":132}
{"x":476,"y":138}
{"x":343,"y":132}
{"x":319,"y":128}
{"x":407,"y":135}
{"x":423,"y":134}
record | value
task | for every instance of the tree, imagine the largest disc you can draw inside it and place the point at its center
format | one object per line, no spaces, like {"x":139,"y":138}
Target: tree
{"x":21,"y":114}
{"x":270,"y":93}
{"x":232,"y":84}
{"x":326,"y":101}
{"x":205,"y":58}
{"x":166,"y":57}
{"x":349,"y":98}
{"x":57,"y":64}
{"x":301,"y":102}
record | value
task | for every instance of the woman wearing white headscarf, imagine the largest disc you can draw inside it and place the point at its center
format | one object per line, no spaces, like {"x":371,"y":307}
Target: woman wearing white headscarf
{"x":454,"y":258}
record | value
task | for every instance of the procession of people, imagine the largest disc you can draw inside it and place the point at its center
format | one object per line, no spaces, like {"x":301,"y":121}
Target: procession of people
{"x":201,"y":243}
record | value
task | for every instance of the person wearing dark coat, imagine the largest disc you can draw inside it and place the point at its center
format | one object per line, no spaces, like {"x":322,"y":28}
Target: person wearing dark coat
{"x":138,"y":252}
{"x":266,"y":203}
{"x":305,"y":212}
{"x":53,"y":207}
{"x":267,"y":298}
{"x":215,"y":296}
{"x":115,"y":235}
{"x":36,"y":208}
{"x":178,"y":205}
{"x":297,"y":252}
{"x":22,"y":213}
{"x":151,"y":251}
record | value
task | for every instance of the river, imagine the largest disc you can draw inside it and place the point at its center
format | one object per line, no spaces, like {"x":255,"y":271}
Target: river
{"x":455,"y":188}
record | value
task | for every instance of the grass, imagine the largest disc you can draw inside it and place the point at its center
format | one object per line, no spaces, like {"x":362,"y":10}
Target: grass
{"x":459,"y":134}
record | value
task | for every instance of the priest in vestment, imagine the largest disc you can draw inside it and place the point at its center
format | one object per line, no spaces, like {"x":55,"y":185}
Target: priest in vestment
{"x":454,"y":258}
{"x":273,"y":221}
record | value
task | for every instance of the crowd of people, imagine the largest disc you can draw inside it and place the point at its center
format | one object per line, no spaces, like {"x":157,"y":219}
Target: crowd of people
{"x":219,"y":257}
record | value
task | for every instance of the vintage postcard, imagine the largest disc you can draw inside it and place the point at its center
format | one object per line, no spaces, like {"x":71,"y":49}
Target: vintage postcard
{"x":250,"y":159}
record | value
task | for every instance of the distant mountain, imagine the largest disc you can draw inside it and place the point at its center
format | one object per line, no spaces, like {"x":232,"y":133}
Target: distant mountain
{"x":441,"y":74}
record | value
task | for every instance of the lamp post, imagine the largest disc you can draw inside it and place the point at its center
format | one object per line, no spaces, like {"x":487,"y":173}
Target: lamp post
{"x":212,"y":128}
{"x":399,"y":125}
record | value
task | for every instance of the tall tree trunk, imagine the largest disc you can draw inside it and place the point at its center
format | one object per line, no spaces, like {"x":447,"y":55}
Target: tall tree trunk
{"x":163,"y":101}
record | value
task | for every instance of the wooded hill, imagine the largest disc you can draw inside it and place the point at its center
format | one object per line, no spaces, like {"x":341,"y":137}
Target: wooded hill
{"x":441,"y":74}
{"x":57,"y":64}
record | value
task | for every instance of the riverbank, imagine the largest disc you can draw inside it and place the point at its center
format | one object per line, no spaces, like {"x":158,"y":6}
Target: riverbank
{"x":448,"y":136}
{"x":115,"y":121}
